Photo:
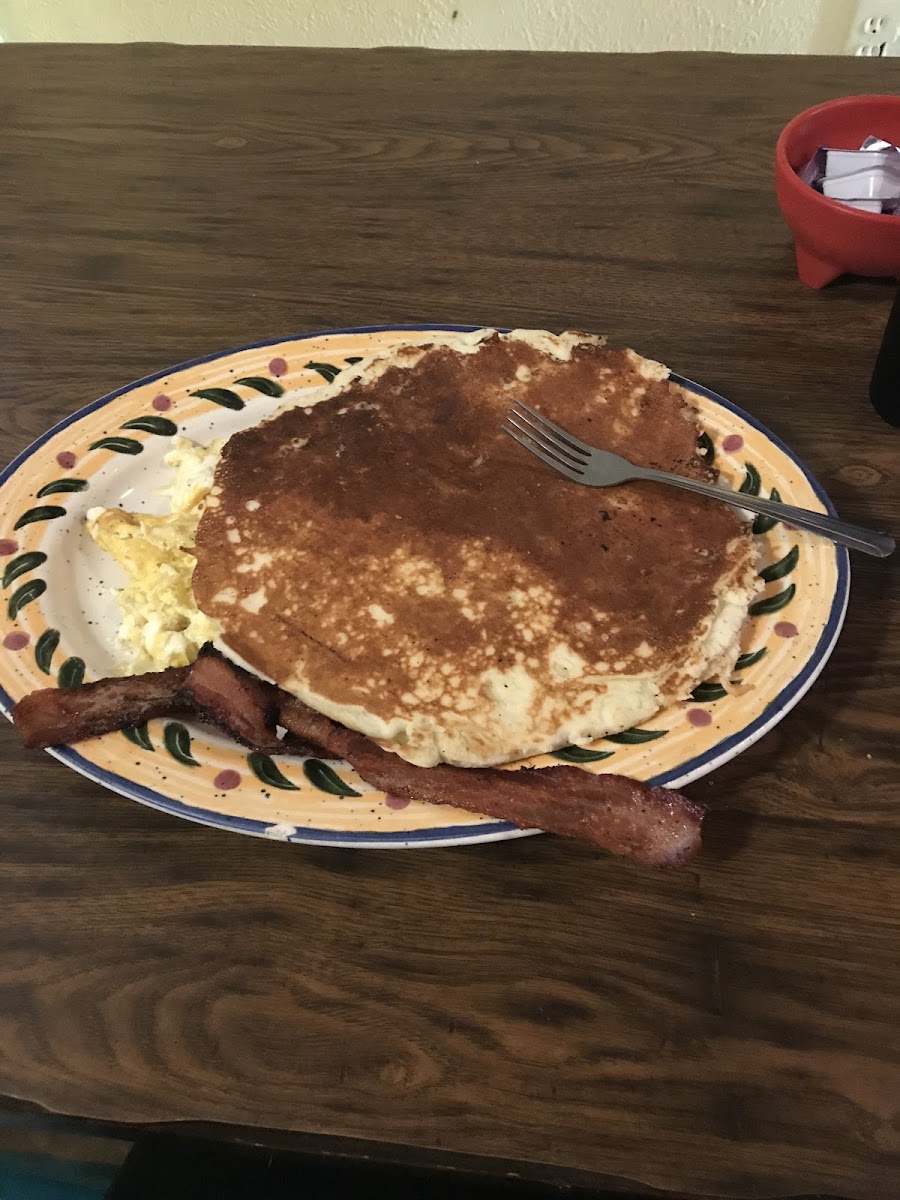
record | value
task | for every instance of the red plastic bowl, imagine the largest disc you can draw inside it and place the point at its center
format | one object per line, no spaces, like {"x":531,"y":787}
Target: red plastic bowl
{"x":830,"y":238}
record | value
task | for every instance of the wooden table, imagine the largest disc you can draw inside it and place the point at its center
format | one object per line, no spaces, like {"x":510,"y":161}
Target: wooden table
{"x":732,"y":1028}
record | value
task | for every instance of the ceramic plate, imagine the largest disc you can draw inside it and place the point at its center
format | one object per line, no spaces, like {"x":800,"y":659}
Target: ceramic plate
{"x":58,"y":620}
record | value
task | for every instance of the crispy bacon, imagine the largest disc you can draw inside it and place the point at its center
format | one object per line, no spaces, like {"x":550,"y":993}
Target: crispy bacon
{"x":60,"y":716}
{"x":650,"y":825}
{"x":212,"y":689}
{"x":240,"y":704}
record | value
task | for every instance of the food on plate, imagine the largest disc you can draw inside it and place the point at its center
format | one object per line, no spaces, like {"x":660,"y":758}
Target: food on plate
{"x":235,"y":700}
{"x":212,"y":690}
{"x":394,"y":583}
{"x":383,"y":553}
{"x":650,"y":825}
{"x":161,"y":625}
{"x":61,"y":716}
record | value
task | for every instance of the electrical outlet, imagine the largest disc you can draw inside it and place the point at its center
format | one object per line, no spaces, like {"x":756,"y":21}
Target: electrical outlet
{"x":875,"y":31}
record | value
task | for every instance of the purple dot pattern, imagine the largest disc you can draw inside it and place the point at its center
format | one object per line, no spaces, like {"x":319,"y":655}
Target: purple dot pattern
{"x":8,"y":546}
{"x":16,"y":640}
{"x":226,"y":780}
{"x":733,"y":442}
{"x":162,"y":402}
{"x":66,"y":459}
{"x":786,"y":629}
{"x":278,"y":366}
{"x":396,"y":802}
{"x":699,"y":717}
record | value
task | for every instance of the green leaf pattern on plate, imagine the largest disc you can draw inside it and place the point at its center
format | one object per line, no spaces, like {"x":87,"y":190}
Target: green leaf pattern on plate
{"x":221,"y":396}
{"x":268,"y":387}
{"x":320,"y":775}
{"x":43,"y":512}
{"x":635,"y":737}
{"x":139,"y":735}
{"x":581,"y":754}
{"x":764,"y":524}
{"x":62,"y":485}
{"x":773,"y":604}
{"x":45,"y":648}
{"x":71,"y":673}
{"x":705,"y":693}
{"x":22,"y":564}
{"x":750,"y":659}
{"x":24,"y":595}
{"x":268,"y":773}
{"x":119,"y":445}
{"x":161,"y":426}
{"x":326,"y":370}
{"x":177,"y":741}
{"x":783,"y":567}
{"x":752,"y":481}
{"x":706,"y":448}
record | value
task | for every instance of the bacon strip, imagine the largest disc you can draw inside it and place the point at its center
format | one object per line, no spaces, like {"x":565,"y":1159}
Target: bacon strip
{"x":60,"y":716}
{"x":240,"y":704}
{"x":212,"y":689}
{"x":650,"y":825}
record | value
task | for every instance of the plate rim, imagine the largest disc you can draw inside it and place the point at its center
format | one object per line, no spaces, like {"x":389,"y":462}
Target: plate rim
{"x":453,"y":835}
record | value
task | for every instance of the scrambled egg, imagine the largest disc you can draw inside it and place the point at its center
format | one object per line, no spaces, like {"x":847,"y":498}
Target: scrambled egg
{"x":161,"y":624}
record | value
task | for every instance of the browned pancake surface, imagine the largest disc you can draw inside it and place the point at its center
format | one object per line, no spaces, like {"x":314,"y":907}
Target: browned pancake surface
{"x":386,"y":547}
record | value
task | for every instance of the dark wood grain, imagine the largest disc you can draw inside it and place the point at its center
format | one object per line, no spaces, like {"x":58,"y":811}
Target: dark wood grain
{"x":731,"y":1029}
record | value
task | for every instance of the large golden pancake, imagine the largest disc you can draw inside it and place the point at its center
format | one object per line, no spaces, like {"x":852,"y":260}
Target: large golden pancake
{"x":390,"y":557}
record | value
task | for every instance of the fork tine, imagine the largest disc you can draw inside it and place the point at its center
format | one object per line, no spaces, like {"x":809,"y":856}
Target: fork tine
{"x":547,"y":440}
{"x":549,"y":459}
{"x":571,"y":440}
{"x":559,"y":453}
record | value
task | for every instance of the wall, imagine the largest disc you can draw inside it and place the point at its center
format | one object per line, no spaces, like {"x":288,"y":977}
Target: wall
{"x":750,"y":26}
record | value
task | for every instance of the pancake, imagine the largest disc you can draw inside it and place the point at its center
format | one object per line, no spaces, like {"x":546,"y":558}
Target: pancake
{"x":387,"y":555}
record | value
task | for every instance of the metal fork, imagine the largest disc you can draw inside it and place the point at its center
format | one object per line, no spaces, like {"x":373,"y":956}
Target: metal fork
{"x":581,"y":463}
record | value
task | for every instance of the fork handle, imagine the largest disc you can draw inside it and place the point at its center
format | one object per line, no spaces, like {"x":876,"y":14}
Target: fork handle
{"x":855,"y":536}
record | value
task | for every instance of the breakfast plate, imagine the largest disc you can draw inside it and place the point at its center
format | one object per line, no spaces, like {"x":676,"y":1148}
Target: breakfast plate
{"x":59,"y":619}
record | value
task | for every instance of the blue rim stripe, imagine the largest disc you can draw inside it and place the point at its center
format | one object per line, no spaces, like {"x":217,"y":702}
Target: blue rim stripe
{"x":701,"y":764}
